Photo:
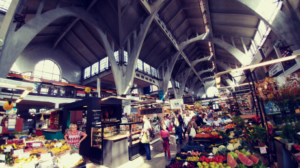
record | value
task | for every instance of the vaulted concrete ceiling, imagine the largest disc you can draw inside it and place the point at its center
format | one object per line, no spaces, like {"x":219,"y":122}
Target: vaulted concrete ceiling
{"x":230,"y":21}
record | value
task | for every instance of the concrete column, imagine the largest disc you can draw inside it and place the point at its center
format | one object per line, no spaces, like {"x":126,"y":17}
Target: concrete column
{"x":99,"y":87}
{"x":56,"y":105}
{"x":40,"y":8}
{"x":7,"y":21}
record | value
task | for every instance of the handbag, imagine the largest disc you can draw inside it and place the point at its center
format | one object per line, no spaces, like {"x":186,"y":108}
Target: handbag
{"x":193,"y":131}
{"x":176,"y":122}
{"x":145,"y":138}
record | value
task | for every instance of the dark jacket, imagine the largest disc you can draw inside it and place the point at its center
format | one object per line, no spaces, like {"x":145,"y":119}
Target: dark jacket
{"x":199,"y":121}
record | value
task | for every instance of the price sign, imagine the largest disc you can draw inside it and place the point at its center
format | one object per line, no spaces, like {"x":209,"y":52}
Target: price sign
{"x":36,"y":145}
{"x":6,"y":150}
{"x":263,"y":150}
{"x":24,"y":155}
{"x":2,"y":157}
{"x":9,"y":147}
{"x":18,"y":152}
{"x":185,"y":164}
{"x":58,"y":145}
{"x":45,"y":156}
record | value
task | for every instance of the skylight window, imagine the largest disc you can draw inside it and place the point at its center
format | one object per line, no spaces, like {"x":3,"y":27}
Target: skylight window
{"x":87,"y":72}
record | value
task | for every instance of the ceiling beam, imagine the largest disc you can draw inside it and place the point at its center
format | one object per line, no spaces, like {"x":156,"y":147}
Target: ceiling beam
{"x":119,"y":12}
{"x":126,"y":6}
{"x":69,"y":27}
{"x":166,"y":6}
{"x":179,"y":25}
{"x":159,"y":55}
{"x":112,"y":5}
{"x":150,"y":34}
{"x":77,"y":52}
{"x":101,"y":47}
{"x":235,"y":26}
{"x":190,"y":5}
{"x":162,"y":39}
{"x":101,"y":22}
{"x":81,"y":42}
{"x":169,"y":22}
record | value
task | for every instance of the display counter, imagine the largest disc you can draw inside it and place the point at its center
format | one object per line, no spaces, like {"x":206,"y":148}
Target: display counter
{"x":52,"y":134}
{"x":115,"y":144}
{"x":285,"y":158}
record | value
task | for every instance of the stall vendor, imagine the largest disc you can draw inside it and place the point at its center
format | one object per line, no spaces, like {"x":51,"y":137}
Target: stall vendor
{"x":73,"y":136}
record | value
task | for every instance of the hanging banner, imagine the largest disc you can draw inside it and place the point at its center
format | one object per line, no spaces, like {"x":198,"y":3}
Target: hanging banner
{"x":176,"y":103}
{"x":161,"y":94}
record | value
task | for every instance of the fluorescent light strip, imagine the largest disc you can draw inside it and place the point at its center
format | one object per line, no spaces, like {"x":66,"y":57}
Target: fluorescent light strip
{"x":18,"y":100}
{"x":260,"y":64}
{"x":25,"y":93}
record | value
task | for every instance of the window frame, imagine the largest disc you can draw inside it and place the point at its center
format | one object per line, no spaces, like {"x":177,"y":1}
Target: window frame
{"x":52,"y":73}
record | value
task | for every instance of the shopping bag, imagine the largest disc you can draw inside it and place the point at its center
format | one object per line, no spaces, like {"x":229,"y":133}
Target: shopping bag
{"x":145,"y":138}
{"x":170,"y":127}
{"x":192,"y":132}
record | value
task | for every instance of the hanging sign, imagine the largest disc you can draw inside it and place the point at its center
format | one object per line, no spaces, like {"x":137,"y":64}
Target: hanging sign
{"x":263,"y":150}
{"x":161,"y":94}
{"x":274,"y":69}
{"x":176,"y":103}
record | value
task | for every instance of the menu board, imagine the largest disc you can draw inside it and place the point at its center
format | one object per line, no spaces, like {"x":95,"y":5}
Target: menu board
{"x":96,"y":120}
{"x":151,"y":111}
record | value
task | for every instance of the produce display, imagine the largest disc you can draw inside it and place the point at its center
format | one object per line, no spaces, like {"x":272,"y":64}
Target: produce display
{"x":33,"y":152}
{"x":225,"y":149}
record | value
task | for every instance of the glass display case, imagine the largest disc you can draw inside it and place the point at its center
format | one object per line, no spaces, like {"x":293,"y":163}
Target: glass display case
{"x":96,"y":137}
{"x":136,"y":130}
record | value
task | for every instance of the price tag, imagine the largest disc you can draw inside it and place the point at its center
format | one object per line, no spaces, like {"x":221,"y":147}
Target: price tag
{"x":6,"y":150}
{"x":185,"y":164}
{"x":45,"y":156}
{"x":36,"y":145}
{"x":58,"y":145}
{"x":18,"y":152}
{"x":2,"y":157}
{"x":9,"y":147}
{"x":2,"y":164}
{"x":24,"y":155}
{"x":263,"y":150}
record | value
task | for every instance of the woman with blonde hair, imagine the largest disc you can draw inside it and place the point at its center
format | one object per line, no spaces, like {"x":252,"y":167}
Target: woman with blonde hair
{"x":145,"y":136}
{"x":73,"y":136}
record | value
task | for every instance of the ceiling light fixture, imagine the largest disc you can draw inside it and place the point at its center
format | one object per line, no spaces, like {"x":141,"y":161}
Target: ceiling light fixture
{"x":260,"y":64}
{"x":25,"y":93}
{"x":18,"y":100}
{"x":84,"y":106}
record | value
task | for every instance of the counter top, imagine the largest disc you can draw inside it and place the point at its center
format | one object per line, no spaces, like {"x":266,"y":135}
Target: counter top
{"x":51,"y":130}
{"x":116,"y":137}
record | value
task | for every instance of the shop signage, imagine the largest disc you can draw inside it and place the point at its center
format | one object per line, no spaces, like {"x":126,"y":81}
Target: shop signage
{"x":151,"y":111}
{"x":96,"y":120}
{"x":161,"y":94}
{"x":274,"y":69}
{"x":176,"y":103}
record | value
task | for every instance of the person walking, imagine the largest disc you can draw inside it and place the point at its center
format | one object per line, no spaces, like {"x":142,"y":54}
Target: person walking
{"x":192,"y":124}
{"x":186,"y":121}
{"x":166,"y":140}
{"x":178,"y":122}
{"x":199,"y":120}
{"x":145,"y":137}
{"x":166,"y":122}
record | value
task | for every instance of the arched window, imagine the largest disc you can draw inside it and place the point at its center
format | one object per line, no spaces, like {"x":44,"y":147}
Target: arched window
{"x":47,"y":69}
{"x":212,"y":91}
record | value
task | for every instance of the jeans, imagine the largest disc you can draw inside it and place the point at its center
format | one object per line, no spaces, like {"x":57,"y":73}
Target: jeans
{"x":190,"y":138}
{"x":179,"y":133}
{"x":184,"y":133}
{"x":166,"y":146}
{"x":148,"y":152}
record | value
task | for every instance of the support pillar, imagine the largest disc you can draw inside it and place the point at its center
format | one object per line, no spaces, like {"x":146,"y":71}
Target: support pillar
{"x":99,"y":87}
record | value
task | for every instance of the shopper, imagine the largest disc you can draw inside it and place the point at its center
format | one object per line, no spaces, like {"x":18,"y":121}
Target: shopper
{"x":73,"y":136}
{"x":145,"y":136}
{"x":199,"y":120}
{"x":217,"y":121}
{"x":178,"y":122}
{"x":166,"y":140}
{"x":166,"y":122}
{"x":192,"y":123}
{"x":186,"y":121}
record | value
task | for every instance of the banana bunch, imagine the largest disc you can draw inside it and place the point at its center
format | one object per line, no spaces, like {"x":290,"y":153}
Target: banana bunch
{"x":32,"y":158}
{"x":55,"y":150}
{"x":65,"y":147}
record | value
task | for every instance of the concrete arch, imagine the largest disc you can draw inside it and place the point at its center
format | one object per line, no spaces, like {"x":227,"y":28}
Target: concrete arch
{"x":284,"y":26}
{"x":17,"y":41}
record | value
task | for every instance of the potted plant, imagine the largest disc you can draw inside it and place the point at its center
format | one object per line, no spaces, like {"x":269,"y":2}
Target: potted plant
{"x":261,"y":134}
{"x":287,"y":133}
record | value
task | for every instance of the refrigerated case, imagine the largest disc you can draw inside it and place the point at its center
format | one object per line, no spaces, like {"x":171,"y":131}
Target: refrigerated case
{"x":114,"y":140}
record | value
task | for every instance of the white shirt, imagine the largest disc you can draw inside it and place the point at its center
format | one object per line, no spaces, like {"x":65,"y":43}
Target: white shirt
{"x":186,"y":121}
{"x":218,"y":122}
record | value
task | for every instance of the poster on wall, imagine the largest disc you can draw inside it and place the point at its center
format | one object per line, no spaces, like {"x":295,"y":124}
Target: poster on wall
{"x":176,"y":104}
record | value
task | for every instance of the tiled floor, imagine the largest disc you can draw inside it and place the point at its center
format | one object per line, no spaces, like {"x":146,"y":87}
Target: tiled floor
{"x":158,"y":157}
